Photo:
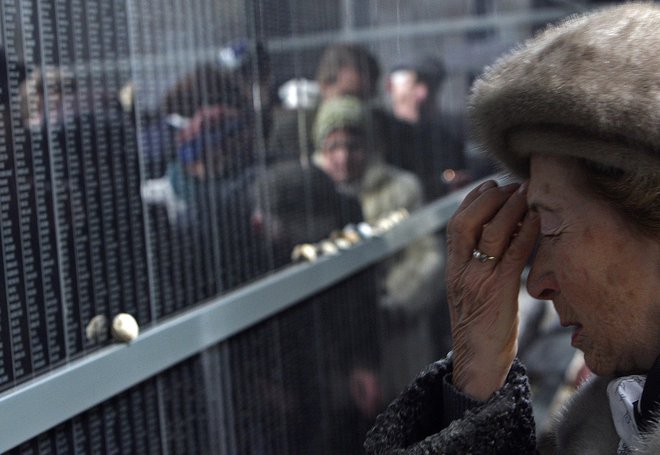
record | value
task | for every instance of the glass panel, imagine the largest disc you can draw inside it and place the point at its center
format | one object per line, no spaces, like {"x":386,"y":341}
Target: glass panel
{"x":155,"y":154}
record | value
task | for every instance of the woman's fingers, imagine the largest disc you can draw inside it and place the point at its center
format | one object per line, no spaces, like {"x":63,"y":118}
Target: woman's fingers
{"x":483,"y":297}
{"x":475,"y":193}
{"x":523,"y":243}
{"x":465,"y":228}
{"x":496,"y":234}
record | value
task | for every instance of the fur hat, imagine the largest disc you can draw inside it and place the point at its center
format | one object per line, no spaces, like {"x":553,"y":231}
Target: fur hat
{"x":588,"y":87}
{"x":338,"y":112}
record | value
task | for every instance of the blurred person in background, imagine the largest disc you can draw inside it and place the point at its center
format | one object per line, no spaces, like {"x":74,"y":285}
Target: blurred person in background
{"x":427,"y":143}
{"x":213,"y":138}
{"x":408,"y":281}
{"x":412,"y":88}
{"x":348,"y":69}
{"x":249,"y":65}
{"x":297,"y":204}
{"x":424,"y":141}
{"x":344,"y":69}
{"x":300,"y":204}
{"x":576,"y":111}
{"x":206,"y":185}
{"x":34,"y":113}
{"x":243,"y":62}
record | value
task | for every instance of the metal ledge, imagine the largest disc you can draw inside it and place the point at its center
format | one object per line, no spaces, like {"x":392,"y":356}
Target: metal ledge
{"x":409,"y":30}
{"x":371,"y":34}
{"x":36,"y":406}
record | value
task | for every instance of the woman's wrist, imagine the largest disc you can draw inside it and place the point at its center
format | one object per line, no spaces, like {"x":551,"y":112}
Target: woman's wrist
{"x":480,"y":379}
{"x":480,"y":387}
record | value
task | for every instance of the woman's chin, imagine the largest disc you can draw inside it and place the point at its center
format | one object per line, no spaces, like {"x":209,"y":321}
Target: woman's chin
{"x":608,"y":368}
{"x":597,"y":366}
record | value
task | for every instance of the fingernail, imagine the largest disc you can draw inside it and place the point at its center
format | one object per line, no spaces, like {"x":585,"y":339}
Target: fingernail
{"x":487,"y":185}
{"x":523,"y":187}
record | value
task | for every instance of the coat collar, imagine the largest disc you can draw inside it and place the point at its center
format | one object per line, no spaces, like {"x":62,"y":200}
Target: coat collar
{"x":585,"y":424}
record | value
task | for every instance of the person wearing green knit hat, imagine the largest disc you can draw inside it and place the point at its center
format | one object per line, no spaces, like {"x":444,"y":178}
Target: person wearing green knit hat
{"x":341,"y":112}
{"x":345,"y":151}
{"x":340,"y":139}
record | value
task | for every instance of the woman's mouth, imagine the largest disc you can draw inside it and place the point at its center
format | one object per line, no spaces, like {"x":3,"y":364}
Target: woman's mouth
{"x":576,"y":333}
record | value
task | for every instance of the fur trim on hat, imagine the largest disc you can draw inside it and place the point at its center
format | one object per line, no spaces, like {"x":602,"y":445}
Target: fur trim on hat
{"x":594,"y":78}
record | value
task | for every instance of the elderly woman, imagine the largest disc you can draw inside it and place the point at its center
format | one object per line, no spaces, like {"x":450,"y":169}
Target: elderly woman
{"x":577,"y":112}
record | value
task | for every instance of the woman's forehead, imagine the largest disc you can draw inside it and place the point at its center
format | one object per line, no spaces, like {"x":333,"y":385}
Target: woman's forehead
{"x":552,"y":180}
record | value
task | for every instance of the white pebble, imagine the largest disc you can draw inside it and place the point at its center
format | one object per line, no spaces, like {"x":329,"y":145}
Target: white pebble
{"x":365,"y":230}
{"x":304,"y":252}
{"x":328,"y":248}
{"x":125,"y":328}
{"x":97,"y":328}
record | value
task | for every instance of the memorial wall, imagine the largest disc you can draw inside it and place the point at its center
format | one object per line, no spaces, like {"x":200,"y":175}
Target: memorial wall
{"x":73,"y":238}
{"x":138,"y":175}
{"x":98,"y":107}
{"x":78,"y":240}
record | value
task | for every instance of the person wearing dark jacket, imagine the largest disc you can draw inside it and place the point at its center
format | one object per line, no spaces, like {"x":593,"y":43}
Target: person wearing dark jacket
{"x":335,"y":377}
{"x":574,"y":112}
{"x":424,"y":140}
{"x":205,"y":189}
{"x":296,"y":204}
{"x":408,"y":279}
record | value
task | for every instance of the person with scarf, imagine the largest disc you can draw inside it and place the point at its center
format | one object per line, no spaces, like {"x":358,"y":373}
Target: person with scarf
{"x":346,"y":151}
{"x":575,"y":114}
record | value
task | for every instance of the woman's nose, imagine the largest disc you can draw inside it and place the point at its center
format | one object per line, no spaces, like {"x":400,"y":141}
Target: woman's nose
{"x":541,"y":281}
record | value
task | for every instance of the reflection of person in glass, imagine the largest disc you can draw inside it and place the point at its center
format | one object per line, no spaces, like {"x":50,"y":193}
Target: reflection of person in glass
{"x":212,"y":146}
{"x":33,"y":111}
{"x":408,"y":280}
{"x":576,"y":111}
{"x":344,"y":69}
{"x":298,"y":204}
{"x":249,"y":64}
{"x":206,"y":186}
{"x":213,"y":143}
{"x":429,"y":143}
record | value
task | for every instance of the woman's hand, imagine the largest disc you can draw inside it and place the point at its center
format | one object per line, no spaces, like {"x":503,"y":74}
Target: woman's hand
{"x":483,"y":295}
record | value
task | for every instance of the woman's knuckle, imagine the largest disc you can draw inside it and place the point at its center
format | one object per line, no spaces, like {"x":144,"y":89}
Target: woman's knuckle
{"x":516,"y":254}
{"x":489,"y":236}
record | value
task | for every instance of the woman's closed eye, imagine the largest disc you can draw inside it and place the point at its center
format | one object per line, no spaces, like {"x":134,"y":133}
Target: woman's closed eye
{"x":551,"y":234}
